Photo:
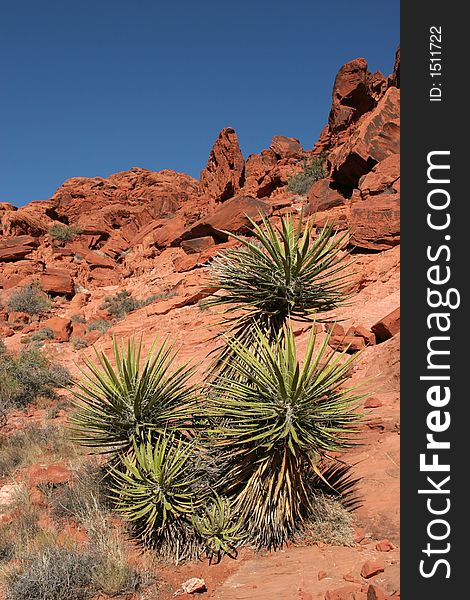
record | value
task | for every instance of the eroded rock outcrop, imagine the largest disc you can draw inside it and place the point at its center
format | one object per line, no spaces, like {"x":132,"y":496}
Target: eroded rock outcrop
{"x":375,"y":207}
{"x":224,"y":173}
{"x":377,"y":136}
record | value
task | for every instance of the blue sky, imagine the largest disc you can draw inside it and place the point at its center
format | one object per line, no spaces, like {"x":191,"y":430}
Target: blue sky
{"x":94,"y":87}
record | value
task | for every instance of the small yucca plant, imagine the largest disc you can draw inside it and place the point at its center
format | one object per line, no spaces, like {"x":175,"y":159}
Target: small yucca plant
{"x":282,"y":272}
{"x":218,"y":530}
{"x":117,"y":405}
{"x":159,"y":491}
{"x":274,"y":423}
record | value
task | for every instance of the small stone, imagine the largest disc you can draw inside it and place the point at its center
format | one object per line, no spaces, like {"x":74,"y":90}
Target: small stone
{"x":321,"y":575}
{"x":372,"y":403}
{"x":384,"y":546}
{"x":347,"y":592}
{"x":371,"y":568}
{"x":359,"y":534}
{"x":388,"y":326}
{"x":348,"y":343}
{"x":193,"y":585}
{"x":368,"y":336}
{"x":335,"y":329}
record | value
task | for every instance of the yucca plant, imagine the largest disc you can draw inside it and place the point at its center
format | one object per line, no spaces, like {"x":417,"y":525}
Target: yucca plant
{"x":159,"y":491}
{"x":218,"y":530}
{"x":117,"y":405}
{"x":274,"y":423}
{"x":281,"y":272}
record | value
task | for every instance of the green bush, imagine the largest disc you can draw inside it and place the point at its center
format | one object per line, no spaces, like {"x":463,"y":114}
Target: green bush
{"x":46,"y":333}
{"x":77,"y":318}
{"x":312,"y":171}
{"x":28,"y":376}
{"x":78,"y":342}
{"x":29,"y":299}
{"x":99,"y":325}
{"x":120,"y":304}
{"x":124,"y":303}
{"x":63,"y":233}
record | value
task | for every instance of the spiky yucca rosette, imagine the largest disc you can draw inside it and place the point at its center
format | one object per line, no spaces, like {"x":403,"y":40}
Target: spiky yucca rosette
{"x":291,"y":271}
{"x":118,"y":405}
{"x":275,"y":424}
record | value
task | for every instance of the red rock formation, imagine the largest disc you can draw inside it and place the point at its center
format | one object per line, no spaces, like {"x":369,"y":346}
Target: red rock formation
{"x":322,"y":196}
{"x":32,"y":219}
{"x":285,"y":147}
{"x":224,"y":173}
{"x":15,"y":248}
{"x":376,"y":137}
{"x":57,"y":281}
{"x":231,"y":216}
{"x":351,"y":95}
{"x":61,"y":326}
{"x":375,"y":209}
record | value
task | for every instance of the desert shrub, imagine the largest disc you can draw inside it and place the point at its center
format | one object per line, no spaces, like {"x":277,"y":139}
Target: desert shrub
{"x":120,"y":304}
{"x":19,"y":533}
{"x":273,"y":428}
{"x":46,"y":333}
{"x":154,"y":297}
{"x":27,"y":376}
{"x":124,"y":303}
{"x":29,"y":444}
{"x":52,"y":574}
{"x":29,"y":299}
{"x":99,"y":325}
{"x":78,"y":342}
{"x":330,"y":522}
{"x":111,"y":574}
{"x":43,"y":569}
{"x":77,"y":318}
{"x":72,"y":500}
{"x":63,"y":573}
{"x":284,"y":273}
{"x":116,"y":405}
{"x":312,"y":171}
{"x":63,"y":233}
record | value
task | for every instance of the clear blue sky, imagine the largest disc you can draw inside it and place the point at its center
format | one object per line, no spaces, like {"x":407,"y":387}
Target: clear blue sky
{"x":94,"y":87}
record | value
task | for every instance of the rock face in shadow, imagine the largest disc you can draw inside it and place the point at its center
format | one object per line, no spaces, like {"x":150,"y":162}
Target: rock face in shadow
{"x":376,"y":137}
